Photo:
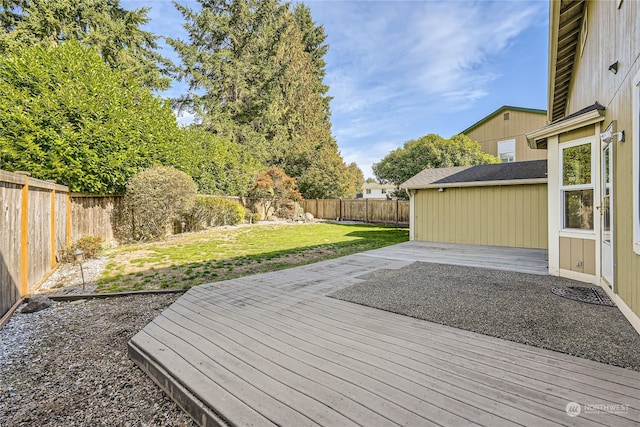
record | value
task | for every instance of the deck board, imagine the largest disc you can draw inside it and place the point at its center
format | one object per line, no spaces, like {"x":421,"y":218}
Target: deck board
{"x":274,"y":349}
{"x":331,"y":314}
{"x":407,"y":362}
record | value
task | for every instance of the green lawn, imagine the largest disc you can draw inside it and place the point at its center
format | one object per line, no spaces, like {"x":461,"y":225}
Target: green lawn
{"x":194,"y":258}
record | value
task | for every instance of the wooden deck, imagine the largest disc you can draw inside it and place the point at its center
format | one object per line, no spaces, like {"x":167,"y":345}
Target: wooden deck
{"x":273,"y":349}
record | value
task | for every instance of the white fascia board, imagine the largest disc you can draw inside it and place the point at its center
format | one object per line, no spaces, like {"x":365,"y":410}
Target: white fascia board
{"x":481,"y":183}
{"x":573,"y":123}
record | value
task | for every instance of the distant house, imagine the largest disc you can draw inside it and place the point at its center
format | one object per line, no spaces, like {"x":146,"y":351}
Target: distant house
{"x":593,"y":146}
{"x":503,"y":133}
{"x":373,"y":190}
{"x":502,"y":204}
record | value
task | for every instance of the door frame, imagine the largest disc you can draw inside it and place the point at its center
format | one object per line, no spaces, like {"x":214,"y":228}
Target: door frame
{"x":606,"y":210}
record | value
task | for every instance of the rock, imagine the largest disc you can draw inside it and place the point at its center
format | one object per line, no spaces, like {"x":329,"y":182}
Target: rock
{"x":36,"y":303}
{"x":308,"y":216}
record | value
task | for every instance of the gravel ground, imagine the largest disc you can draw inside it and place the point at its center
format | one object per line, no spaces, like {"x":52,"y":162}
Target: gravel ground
{"x":513,"y":306}
{"x":67,"y":365}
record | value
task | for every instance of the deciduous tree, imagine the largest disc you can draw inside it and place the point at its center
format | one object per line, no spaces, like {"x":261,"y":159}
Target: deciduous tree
{"x":429,"y":152}
{"x":277,"y":191}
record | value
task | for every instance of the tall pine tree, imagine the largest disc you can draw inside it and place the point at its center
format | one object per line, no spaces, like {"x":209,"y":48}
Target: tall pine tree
{"x":256,"y":69}
{"x":101,"y":24}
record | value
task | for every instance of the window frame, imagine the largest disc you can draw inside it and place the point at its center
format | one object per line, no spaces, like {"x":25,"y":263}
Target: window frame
{"x":577,"y":187}
{"x":512,"y":143}
{"x":635,"y":139}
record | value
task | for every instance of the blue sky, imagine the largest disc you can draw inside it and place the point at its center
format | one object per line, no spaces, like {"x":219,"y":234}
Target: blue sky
{"x":398,"y":70}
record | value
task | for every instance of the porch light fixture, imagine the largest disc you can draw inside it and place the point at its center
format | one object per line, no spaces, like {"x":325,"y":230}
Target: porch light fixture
{"x":614,"y":67}
{"x":440,"y":190}
{"x":608,"y":135}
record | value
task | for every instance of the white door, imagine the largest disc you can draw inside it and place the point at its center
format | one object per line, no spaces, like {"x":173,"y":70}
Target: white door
{"x":606,"y":212}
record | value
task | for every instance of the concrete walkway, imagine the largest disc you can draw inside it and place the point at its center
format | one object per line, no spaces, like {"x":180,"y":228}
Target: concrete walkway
{"x":272,"y":349}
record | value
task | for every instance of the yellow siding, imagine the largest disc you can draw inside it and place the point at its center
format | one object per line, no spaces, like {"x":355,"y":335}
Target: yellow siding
{"x":614,"y":35}
{"x":497,"y":129}
{"x":514,"y":215}
{"x":578,"y":255}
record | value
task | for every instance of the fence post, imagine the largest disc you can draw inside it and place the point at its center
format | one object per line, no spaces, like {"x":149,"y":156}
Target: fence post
{"x":397,"y":212}
{"x":366,"y":210}
{"x":68,"y":237}
{"x":24,"y":235}
{"x":53,"y":226}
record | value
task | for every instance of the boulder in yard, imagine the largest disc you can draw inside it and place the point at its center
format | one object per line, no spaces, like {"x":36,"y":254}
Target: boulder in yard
{"x":36,"y":303}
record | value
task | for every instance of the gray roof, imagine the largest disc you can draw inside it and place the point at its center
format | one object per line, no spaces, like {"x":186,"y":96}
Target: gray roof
{"x":429,"y":176}
{"x":536,"y":169}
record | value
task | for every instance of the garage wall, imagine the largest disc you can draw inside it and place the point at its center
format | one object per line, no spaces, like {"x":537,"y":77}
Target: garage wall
{"x":513,"y":215}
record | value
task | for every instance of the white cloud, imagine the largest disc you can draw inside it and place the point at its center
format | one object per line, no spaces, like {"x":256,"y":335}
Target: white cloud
{"x":367,"y":156}
{"x":392,"y":64}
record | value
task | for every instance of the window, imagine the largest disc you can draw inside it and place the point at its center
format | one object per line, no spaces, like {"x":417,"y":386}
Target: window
{"x":635,"y":139}
{"x":506,"y":116}
{"x":507,"y":150}
{"x":384,"y":191}
{"x":368,"y":191}
{"x":577,"y":186}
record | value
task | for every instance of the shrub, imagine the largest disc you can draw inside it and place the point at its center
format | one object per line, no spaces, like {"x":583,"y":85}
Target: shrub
{"x":252,"y":217}
{"x":155,"y":198}
{"x":213,"y":211}
{"x":91,"y":245}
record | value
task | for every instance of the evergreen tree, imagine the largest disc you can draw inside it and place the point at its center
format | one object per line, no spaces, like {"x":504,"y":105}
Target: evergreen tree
{"x":102,"y":24}
{"x":313,"y":39}
{"x":218,"y":166}
{"x":255,"y":70}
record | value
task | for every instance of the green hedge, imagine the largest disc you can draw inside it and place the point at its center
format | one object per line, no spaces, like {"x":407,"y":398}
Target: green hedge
{"x":213,"y":211}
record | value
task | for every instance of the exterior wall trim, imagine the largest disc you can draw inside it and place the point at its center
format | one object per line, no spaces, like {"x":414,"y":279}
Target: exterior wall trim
{"x":622,"y":306}
{"x":504,"y":108}
{"x":481,"y":183}
{"x":578,"y":122}
{"x":635,"y":140}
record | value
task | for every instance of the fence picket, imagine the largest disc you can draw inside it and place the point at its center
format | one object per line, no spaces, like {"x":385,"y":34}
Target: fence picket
{"x":365,"y":210}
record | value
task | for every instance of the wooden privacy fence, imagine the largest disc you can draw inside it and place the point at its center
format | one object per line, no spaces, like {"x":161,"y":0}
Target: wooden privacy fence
{"x":365,"y":210}
{"x":39,"y":218}
{"x":35,"y":223}
{"x":94,"y":216}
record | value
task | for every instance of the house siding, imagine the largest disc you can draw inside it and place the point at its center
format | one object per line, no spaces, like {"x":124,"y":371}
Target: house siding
{"x":614,"y":35}
{"x":497,"y":129}
{"x":510,"y":215}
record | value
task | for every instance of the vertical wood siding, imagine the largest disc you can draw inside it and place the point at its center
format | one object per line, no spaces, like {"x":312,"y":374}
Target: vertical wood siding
{"x":497,"y":129}
{"x":614,"y":35}
{"x":514,"y":215}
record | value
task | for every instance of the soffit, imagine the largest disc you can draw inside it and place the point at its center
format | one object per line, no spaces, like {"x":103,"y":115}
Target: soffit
{"x":566,"y":41}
